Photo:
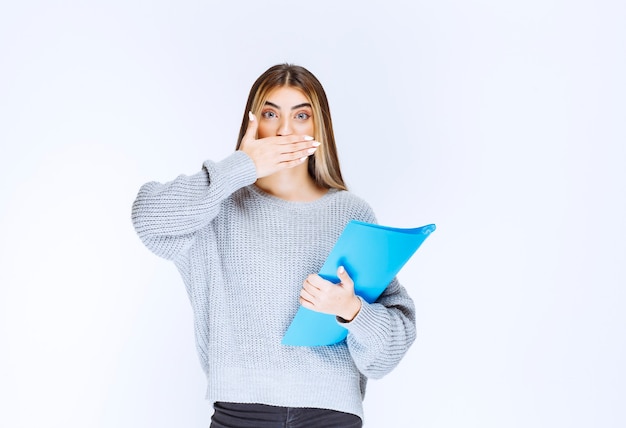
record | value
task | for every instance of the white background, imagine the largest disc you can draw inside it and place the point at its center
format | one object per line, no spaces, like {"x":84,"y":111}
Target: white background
{"x":502,"y":122}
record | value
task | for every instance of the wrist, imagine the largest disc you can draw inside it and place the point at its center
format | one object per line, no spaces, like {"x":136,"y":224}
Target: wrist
{"x":352,"y":310}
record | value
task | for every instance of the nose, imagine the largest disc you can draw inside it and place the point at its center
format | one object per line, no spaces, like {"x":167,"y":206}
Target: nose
{"x":285,"y":126}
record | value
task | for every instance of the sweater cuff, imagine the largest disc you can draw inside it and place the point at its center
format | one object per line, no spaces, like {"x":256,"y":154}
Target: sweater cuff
{"x":366,"y":323}
{"x":236,"y":171}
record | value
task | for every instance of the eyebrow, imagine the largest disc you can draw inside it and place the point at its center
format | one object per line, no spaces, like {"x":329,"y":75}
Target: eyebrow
{"x":269,"y":103}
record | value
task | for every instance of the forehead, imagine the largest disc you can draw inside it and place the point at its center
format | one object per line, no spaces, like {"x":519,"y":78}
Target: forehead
{"x":287,"y":96}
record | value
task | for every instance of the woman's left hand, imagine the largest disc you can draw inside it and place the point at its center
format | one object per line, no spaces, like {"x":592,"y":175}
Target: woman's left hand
{"x":324,"y":296}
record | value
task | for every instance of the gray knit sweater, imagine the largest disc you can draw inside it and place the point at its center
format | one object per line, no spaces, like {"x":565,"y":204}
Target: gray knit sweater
{"x":243,"y":256}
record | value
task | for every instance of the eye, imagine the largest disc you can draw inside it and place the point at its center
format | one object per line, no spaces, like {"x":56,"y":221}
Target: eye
{"x":268,"y":114}
{"x":302,"y":116}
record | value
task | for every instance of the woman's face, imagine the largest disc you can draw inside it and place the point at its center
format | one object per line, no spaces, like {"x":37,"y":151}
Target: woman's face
{"x":287,"y":111}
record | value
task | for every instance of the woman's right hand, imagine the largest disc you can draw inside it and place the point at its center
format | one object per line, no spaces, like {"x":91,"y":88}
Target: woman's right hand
{"x":272,"y":154}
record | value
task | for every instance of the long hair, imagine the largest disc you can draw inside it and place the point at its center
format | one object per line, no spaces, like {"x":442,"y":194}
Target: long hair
{"x":323,"y":166}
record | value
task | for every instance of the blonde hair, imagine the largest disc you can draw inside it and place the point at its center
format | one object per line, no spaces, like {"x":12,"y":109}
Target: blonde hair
{"x":323,"y":166}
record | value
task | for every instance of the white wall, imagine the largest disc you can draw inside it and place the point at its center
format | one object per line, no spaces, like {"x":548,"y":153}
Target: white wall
{"x":501,"y":122}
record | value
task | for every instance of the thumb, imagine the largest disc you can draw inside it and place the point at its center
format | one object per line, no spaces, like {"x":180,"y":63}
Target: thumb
{"x":345,"y":279}
{"x":253,"y":124}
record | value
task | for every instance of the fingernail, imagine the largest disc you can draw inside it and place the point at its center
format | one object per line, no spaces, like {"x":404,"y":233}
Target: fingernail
{"x":316,"y":143}
{"x":250,"y":116}
{"x":303,"y":158}
{"x":341,"y":269}
{"x":307,"y":138}
{"x":311,"y":151}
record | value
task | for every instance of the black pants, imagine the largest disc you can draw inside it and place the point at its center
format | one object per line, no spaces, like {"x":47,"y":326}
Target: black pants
{"x":237,"y":415}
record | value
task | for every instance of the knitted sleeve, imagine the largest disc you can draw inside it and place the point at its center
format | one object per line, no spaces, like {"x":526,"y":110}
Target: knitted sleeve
{"x":382,"y":332}
{"x":166,"y":216}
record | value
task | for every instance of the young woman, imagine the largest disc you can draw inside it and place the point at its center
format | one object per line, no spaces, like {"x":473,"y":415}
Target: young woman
{"x":248,"y":235}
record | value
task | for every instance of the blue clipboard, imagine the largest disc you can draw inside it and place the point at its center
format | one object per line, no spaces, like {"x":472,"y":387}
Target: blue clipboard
{"x":372,"y":255}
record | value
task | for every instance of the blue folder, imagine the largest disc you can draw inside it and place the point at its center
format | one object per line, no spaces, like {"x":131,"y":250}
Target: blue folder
{"x":372,"y":255}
